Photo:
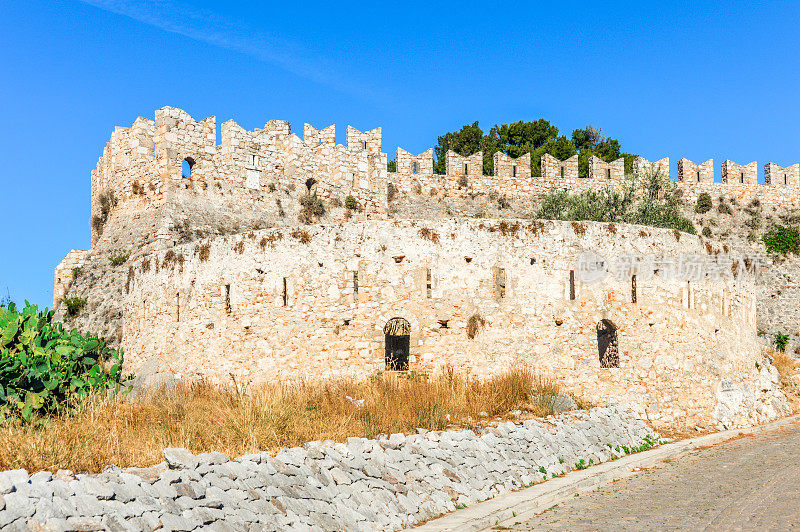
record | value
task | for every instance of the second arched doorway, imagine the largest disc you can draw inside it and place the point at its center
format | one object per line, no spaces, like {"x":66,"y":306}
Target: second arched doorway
{"x":397,"y":336}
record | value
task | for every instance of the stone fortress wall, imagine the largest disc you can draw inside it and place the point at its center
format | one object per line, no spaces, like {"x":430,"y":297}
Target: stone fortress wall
{"x":293,"y":303}
{"x":513,"y":178}
{"x":141,"y":166}
{"x":314,"y":300}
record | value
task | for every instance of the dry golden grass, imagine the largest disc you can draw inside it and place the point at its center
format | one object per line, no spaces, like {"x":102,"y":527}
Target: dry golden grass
{"x":788,"y":368}
{"x":786,"y":365}
{"x":202,"y":417}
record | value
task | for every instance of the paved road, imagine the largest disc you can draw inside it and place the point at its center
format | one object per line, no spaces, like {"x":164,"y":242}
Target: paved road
{"x":751,"y":483}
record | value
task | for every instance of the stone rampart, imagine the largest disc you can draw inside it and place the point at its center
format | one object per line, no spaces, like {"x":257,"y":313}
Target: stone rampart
{"x":481,"y":296}
{"x":65,"y":273}
{"x":152,"y":161}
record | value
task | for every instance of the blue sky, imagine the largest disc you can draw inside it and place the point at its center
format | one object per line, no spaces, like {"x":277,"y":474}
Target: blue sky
{"x":680,"y":79}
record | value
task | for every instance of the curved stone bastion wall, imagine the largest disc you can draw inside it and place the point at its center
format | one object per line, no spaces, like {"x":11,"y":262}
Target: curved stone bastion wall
{"x":478,"y":295}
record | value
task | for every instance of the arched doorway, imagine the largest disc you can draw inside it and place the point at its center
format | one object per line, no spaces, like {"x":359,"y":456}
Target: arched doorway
{"x":607,"y":346}
{"x":397,"y":332}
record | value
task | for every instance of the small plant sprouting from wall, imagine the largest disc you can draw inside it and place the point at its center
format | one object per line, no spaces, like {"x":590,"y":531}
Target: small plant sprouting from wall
{"x":350,"y":203}
{"x":782,"y":240}
{"x":169,"y":259}
{"x":579,"y":228}
{"x":503,"y":202}
{"x":106,"y":202}
{"x":76,"y":272}
{"x":723,"y":207}
{"x":704,"y":203}
{"x":475,"y":323}
{"x":203,"y":251}
{"x":311,"y":208}
{"x":302,"y":236}
{"x":74,"y":305}
{"x":239,"y":247}
{"x":429,"y":234}
{"x":706,"y":232}
{"x":269,"y":240}
{"x":781,"y":340}
{"x":119,"y":257}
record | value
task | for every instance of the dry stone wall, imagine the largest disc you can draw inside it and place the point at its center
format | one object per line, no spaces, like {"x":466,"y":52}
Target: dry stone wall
{"x":283,"y":304}
{"x":388,"y":483}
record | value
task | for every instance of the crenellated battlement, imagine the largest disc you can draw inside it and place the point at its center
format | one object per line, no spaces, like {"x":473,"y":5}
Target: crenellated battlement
{"x":152,"y":161}
{"x":611,"y":172}
{"x":690,"y":172}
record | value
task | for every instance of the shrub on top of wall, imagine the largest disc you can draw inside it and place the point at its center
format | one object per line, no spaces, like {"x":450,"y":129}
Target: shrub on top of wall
{"x":782,"y":239}
{"x":653,"y":200}
{"x":704,"y":203}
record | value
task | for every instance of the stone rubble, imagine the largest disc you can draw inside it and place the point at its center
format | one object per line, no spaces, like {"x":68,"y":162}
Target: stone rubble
{"x":387,"y":483}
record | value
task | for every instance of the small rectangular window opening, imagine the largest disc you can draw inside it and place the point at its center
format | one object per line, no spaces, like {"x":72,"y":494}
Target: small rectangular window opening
{"x":428,"y":283}
{"x":741,"y":177}
{"x":562,"y":172}
{"x":178,"y":307}
{"x":698,"y":176}
{"x":785,"y":180}
{"x":414,"y":168}
{"x":500,"y":281}
{"x":514,"y":170}
{"x":608,"y":173}
{"x":572,"y":285}
{"x":355,"y":287}
{"x":466,"y":169}
{"x":228,"y":298}
{"x":285,"y":292}
{"x":255,"y":160}
{"x":633,"y":289}
{"x":365,"y":144}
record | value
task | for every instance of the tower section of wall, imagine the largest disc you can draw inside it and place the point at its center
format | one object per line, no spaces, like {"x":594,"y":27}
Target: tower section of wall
{"x":293,"y":303}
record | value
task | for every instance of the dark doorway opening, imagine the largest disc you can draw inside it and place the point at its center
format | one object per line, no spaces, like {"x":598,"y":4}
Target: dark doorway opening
{"x":607,"y":345}
{"x":397,"y":344}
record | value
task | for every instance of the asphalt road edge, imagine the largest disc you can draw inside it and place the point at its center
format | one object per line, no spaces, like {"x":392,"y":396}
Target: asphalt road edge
{"x":517,"y":506}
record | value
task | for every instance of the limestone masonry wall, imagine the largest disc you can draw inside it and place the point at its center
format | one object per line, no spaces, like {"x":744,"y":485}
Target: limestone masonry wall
{"x":64,"y":273}
{"x":291,"y":303}
{"x":141,"y":166}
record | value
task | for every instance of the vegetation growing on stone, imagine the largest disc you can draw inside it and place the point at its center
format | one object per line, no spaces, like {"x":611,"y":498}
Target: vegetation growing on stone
{"x":704,"y":203}
{"x":311,"y":208}
{"x":653,"y":200}
{"x":74,"y":305}
{"x":119,"y":257}
{"x":44,"y":369}
{"x":782,"y":240}
{"x":350,"y":203}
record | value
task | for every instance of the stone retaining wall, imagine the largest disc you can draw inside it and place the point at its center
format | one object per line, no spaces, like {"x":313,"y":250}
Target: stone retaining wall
{"x":382,"y":484}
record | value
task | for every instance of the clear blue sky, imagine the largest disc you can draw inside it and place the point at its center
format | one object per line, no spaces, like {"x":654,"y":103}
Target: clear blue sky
{"x":680,"y":79}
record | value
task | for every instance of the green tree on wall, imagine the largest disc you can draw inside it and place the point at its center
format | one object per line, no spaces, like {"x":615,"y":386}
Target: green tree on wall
{"x":537,"y":138}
